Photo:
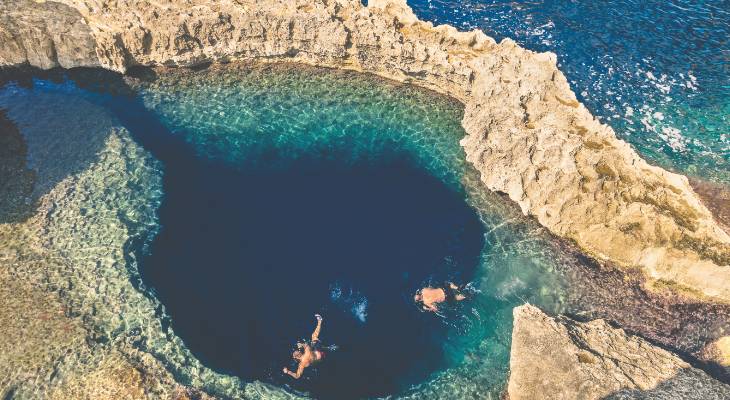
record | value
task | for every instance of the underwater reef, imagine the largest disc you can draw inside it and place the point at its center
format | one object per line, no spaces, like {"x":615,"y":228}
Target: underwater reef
{"x":526,"y":135}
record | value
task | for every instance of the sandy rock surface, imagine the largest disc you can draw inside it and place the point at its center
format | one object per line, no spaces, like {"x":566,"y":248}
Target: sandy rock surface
{"x":559,"y":358}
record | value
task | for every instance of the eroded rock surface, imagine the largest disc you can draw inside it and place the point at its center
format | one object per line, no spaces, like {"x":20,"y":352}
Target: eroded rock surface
{"x":559,"y":358}
{"x":45,"y":35}
{"x":526,"y":132}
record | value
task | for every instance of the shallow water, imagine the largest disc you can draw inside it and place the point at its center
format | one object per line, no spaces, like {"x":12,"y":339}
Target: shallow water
{"x":658,"y":72}
{"x":269,"y":178}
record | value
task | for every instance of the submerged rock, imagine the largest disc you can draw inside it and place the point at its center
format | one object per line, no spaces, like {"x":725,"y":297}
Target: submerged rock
{"x":526,"y":133}
{"x":559,"y":358}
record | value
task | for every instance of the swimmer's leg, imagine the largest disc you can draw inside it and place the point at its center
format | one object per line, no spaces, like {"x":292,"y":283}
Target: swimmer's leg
{"x":315,"y":334}
{"x":459,"y":296}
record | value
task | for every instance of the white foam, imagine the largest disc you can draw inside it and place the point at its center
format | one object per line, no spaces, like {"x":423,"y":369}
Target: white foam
{"x":673,"y":137}
{"x":360,"y":309}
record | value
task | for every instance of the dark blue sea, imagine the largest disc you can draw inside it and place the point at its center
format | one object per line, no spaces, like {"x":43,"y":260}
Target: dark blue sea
{"x":657,"y":71}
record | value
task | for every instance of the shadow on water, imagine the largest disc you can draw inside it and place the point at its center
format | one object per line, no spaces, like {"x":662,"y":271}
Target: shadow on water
{"x":16,"y":179}
{"x":38,"y":149}
{"x":245,"y":258}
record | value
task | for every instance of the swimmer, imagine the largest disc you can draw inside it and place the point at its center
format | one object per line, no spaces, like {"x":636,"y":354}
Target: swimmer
{"x":431,"y":297}
{"x":308,"y":353}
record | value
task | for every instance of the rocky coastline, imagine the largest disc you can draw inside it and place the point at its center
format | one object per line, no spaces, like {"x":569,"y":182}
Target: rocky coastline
{"x":526,"y":134}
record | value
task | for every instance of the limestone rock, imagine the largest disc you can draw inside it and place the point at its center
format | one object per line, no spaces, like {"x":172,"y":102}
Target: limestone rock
{"x":559,"y":358}
{"x":45,"y":35}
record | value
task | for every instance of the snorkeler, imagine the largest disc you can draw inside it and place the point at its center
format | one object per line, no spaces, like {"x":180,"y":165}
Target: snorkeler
{"x":309,"y":353}
{"x":431,"y":297}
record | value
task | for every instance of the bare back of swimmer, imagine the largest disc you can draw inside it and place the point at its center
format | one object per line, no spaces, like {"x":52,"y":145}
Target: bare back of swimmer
{"x":308,"y":353}
{"x":431,"y":297}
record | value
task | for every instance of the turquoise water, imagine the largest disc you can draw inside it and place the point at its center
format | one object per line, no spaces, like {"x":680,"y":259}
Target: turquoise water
{"x":657,"y":71}
{"x":281,"y":114}
{"x":269,"y":122}
{"x":274,"y":120}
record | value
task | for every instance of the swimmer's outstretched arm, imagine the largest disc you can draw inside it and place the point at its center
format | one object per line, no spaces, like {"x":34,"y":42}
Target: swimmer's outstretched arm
{"x":295,"y":375}
{"x":315,"y":334}
{"x":459,"y":296}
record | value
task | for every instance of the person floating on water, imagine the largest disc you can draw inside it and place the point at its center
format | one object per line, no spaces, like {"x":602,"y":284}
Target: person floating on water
{"x":309,"y":353}
{"x":431,"y":297}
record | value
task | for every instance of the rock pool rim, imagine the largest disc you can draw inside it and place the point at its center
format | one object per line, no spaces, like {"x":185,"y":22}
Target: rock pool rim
{"x":539,"y":109}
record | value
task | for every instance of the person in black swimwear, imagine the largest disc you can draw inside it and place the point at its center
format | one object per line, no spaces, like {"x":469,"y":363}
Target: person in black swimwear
{"x":308,"y":353}
{"x":431,"y":297}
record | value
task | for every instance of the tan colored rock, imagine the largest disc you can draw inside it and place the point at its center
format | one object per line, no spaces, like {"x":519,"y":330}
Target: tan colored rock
{"x":36,"y":334}
{"x":45,"y":35}
{"x":717,"y":199}
{"x":526,"y":132}
{"x":559,"y":358}
{"x":719,"y":351}
{"x":114,"y":378}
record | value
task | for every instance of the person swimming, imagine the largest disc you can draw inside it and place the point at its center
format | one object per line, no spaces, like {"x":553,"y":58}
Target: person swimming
{"x":431,"y":297}
{"x":309,"y":353}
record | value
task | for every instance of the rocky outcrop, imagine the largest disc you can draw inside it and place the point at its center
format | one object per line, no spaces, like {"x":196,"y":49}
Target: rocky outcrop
{"x":719,"y":352}
{"x":45,"y":35}
{"x":525,"y":131}
{"x":559,"y":358}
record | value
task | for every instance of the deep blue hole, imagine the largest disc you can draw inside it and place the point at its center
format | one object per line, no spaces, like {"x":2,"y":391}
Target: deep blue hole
{"x":247,"y":255}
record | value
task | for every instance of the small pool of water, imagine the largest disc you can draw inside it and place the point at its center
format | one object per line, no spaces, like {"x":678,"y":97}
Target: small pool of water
{"x":288,"y":191}
{"x":286,"y":204}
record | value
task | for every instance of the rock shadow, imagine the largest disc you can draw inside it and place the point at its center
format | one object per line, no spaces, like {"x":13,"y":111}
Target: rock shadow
{"x":53,"y":124}
{"x":716,"y":198}
{"x":16,"y":179}
{"x":688,"y":384}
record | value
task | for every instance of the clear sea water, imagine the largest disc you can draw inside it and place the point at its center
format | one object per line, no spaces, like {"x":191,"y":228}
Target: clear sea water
{"x":344,"y":194}
{"x":657,"y":71}
{"x":288,"y":191}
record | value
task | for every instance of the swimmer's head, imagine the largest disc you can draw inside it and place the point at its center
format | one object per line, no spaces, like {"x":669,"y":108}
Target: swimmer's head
{"x":418,"y":297}
{"x":297,"y":354}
